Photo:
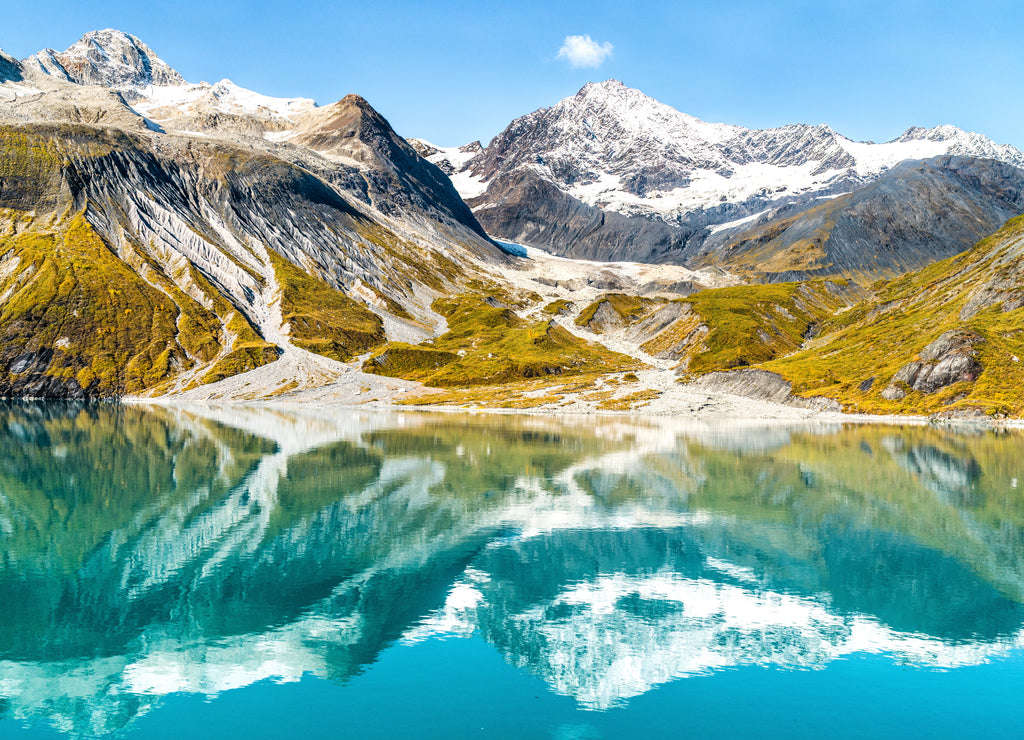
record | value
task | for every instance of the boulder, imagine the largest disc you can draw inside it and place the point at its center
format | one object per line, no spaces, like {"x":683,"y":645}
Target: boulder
{"x":947,"y":360}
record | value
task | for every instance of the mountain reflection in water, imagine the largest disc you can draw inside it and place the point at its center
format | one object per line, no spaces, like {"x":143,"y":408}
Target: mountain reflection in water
{"x":146,"y":552}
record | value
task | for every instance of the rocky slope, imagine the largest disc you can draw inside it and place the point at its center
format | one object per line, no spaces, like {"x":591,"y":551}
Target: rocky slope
{"x":611,"y":173}
{"x":134,"y":257}
{"x":945,"y":339}
{"x":913,"y":215}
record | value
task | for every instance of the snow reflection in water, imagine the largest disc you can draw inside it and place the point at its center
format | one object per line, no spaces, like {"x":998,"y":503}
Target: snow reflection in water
{"x":147,"y":552}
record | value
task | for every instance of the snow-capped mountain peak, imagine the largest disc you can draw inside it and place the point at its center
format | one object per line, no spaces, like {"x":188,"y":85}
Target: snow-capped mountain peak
{"x":614,"y":147}
{"x":163,"y":102}
{"x":641,"y":114}
{"x":124,"y":63}
{"x":110,"y":58}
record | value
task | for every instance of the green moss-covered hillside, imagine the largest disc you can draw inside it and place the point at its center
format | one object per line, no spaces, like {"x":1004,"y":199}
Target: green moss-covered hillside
{"x":322,"y":319}
{"x":946,"y":337}
{"x":488,"y":344}
{"x":76,"y":319}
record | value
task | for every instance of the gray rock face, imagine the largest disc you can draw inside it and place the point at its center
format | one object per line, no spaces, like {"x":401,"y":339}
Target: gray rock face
{"x":527,"y":209}
{"x":1005,"y":290}
{"x":947,"y":360}
{"x":915,"y":214}
{"x":893,"y":393}
{"x":10,"y":69}
{"x":955,"y":341}
{"x":108,"y":58}
{"x":761,"y":385}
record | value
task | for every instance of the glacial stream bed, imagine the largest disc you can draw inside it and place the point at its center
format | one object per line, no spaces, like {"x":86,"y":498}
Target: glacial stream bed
{"x":214,"y":572}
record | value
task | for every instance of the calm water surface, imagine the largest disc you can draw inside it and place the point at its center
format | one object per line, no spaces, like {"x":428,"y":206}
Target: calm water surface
{"x":212,"y":573}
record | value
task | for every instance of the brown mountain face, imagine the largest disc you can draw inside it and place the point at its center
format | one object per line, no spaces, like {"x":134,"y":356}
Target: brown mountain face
{"x":353,"y":131}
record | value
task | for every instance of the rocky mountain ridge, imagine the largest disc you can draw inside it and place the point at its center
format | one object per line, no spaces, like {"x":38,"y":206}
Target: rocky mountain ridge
{"x":611,"y":173}
{"x":613,"y":147}
{"x":136,"y":256}
{"x":108,"y":58}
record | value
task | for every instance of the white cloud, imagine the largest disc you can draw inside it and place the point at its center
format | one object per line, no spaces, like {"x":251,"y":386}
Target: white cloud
{"x":583,"y":51}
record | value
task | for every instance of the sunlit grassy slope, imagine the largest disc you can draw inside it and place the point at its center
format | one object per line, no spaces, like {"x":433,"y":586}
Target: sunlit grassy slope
{"x":980,"y":290}
{"x":487,"y":343}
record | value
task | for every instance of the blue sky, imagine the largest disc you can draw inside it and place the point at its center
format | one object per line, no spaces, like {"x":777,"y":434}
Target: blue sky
{"x":456,"y":71}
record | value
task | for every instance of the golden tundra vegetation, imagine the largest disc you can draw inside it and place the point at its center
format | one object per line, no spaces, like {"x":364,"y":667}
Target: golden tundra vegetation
{"x":833,"y":339}
{"x":77,"y":314}
{"x":322,"y":319}
{"x":488,"y":344}
{"x":980,"y":292}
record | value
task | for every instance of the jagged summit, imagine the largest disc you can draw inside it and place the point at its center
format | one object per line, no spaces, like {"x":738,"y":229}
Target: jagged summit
{"x":124,"y":64}
{"x":963,"y":143}
{"x":353,"y":131}
{"x":615,"y":147}
{"x":109,"y":58}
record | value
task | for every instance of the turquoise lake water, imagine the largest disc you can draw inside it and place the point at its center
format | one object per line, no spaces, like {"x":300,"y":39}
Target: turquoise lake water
{"x":216,"y":573}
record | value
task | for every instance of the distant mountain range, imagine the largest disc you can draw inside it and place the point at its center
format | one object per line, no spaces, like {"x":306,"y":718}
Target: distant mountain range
{"x":611,"y":173}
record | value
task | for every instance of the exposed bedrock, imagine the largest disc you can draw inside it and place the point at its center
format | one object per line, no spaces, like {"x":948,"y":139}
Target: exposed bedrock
{"x":761,"y":385}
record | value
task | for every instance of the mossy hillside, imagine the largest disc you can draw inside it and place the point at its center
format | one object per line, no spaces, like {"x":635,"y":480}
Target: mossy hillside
{"x":199,"y":329}
{"x":558,"y":307}
{"x":79,"y":316}
{"x":625,"y":309}
{"x":746,"y":325}
{"x":34,"y":158}
{"x":248,"y":350}
{"x":29,"y":168}
{"x":243,"y":357}
{"x":322,"y":319}
{"x":410,"y":361}
{"x":629,"y":402}
{"x":519,"y":394}
{"x":880,"y":335}
{"x":489,"y":344}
